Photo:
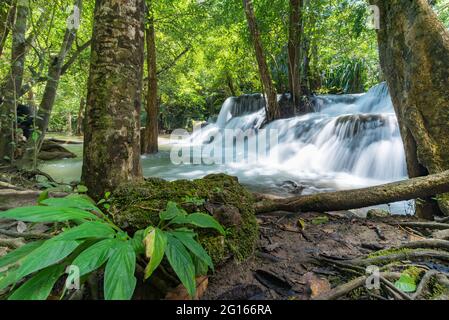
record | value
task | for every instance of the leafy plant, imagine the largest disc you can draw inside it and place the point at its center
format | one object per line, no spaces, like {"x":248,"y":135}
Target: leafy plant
{"x":179,"y":244}
{"x":93,"y":241}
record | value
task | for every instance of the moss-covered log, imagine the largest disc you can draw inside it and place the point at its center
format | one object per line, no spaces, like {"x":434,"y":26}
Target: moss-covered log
{"x":137,"y":206}
{"x":415,"y":188}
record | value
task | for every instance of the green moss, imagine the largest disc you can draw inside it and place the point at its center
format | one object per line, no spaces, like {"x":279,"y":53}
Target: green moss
{"x":414,"y":272}
{"x":137,"y":206}
{"x":388,"y":252}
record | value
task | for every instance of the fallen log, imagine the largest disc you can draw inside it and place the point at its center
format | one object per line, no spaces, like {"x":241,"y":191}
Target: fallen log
{"x":14,"y":198}
{"x":415,"y":188}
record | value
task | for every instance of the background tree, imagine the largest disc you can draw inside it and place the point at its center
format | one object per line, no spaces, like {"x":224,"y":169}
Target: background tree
{"x":273,"y":111}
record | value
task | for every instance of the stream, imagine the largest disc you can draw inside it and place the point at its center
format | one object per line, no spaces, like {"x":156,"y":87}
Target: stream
{"x":350,"y":141}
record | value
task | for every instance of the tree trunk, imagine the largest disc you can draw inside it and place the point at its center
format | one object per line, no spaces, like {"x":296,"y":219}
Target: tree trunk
{"x":112,"y":132}
{"x":414,"y":51}
{"x":273,"y":111}
{"x":352,"y":199}
{"x":150,"y":145}
{"x":7,"y":15}
{"x":8,"y":110}
{"x":54,"y":75}
{"x":294,"y":51}
{"x":80,"y":120}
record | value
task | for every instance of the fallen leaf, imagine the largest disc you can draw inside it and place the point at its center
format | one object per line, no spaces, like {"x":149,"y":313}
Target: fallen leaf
{"x":301,"y":224}
{"x":316,"y":286}
{"x":180,"y":292}
{"x":21,"y":227}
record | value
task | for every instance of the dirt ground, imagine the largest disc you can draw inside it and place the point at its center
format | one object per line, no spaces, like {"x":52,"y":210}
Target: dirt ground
{"x":288,"y":253}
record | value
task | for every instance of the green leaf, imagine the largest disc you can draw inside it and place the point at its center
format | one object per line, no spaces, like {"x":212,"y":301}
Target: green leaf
{"x":119,"y":279}
{"x":406,"y":283}
{"x":73,"y":201}
{"x":49,"y":253}
{"x":8,"y":278}
{"x":18,"y":254}
{"x":158,"y":244}
{"x":171,"y":212}
{"x":137,"y":242}
{"x":96,"y":230}
{"x":320,"y":220}
{"x":201,"y":268}
{"x":181,"y":262}
{"x":94,"y":257}
{"x":39,"y":286}
{"x":43,"y":196}
{"x":200,"y":220}
{"x":187,"y":239}
{"x":47,"y":214}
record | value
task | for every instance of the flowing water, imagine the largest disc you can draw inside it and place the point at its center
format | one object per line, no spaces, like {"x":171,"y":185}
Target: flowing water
{"x":350,"y":141}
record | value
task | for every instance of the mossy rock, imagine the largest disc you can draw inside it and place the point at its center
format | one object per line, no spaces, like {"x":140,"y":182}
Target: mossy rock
{"x":136,"y":206}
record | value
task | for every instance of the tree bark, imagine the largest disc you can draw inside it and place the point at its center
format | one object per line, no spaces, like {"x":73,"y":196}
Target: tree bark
{"x":294,"y":51}
{"x":150,"y":140}
{"x":49,"y":96}
{"x":419,"y":187}
{"x":414,"y":50}
{"x":273,"y":110}
{"x":112,"y":132}
{"x":8,"y":113}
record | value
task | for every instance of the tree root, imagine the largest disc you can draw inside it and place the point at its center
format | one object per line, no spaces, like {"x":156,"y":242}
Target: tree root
{"x":346,"y":288}
{"x":400,"y":256}
{"x":26,"y":236}
{"x":425,"y":225}
{"x":12,"y":243}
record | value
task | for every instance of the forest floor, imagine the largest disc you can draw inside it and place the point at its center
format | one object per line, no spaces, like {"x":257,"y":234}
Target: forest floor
{"x":304,"y":256}
{"x":286,"y":265}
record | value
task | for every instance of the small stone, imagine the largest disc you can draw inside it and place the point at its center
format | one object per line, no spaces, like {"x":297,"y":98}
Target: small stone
{"x":377,"y":213}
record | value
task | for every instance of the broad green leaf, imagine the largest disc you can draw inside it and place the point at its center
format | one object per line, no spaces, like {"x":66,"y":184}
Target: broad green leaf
{"x":406,"y":283}
{"x":200,"y":220}
{"x":94,"y":257}
{"x":76,"y":201}
{"x":86,"y":230}
{"x":171,"y":212}
{"x":201,"y":268}
{"x":137,"y":242}
{"x":119,"y":279}
{"x":188,"y":240}
{"x":181,"y":262}
{"x":49,"y":253}
{"x":157,"y":251}
{"x":39,"y":286}
{"x":47,"y":214}
{"x":8,"y":278}
{"x":18,"y":254}
{"x":149,"y":242}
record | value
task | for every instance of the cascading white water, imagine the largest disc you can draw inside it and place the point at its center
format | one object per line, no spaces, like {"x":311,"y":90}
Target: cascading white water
{"x":348,"y":134}
{"x":350,"y":141}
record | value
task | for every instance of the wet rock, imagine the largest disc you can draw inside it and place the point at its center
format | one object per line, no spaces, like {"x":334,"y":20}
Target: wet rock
{"x":377,"y":213}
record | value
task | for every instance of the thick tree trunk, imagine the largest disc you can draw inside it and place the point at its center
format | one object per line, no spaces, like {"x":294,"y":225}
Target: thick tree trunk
{"x":112,"y":132}
{"x":415,"y":188}
{"x":11,"y":91}
{"x":150,"y":140}
{"x":414,"y":52}
{"x":294,"y":51}
{"x":273,"y":111}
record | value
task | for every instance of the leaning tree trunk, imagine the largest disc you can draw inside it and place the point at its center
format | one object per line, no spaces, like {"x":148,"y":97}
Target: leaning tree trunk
{"x":14,"y":84}
{"x":273,"y":111}
{"x":112,"y":132}
{"x":294,"y":51}
{"x":49,"y":96}
{"x":427,"y":186}
{"x":414,"y":54}
{"x":150,"y":140}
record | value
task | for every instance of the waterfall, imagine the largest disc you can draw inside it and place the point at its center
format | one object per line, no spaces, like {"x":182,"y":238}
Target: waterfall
{"x":351,"y":134}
